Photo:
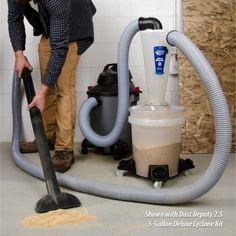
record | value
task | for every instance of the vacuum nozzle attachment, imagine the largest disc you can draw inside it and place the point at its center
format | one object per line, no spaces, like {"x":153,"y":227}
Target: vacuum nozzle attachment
{"x":55,"y":199}
{"x":62,"y":201}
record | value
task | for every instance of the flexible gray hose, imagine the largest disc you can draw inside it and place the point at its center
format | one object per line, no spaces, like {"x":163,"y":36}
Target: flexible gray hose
{"x":163,"y":196}
{"x":123,"y":95}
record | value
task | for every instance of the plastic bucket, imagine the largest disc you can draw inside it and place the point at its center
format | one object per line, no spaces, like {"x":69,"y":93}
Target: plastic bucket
{"x":156,"y":137}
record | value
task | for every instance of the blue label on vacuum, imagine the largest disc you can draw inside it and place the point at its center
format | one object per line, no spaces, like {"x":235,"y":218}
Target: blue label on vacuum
{"x":159,"y":58}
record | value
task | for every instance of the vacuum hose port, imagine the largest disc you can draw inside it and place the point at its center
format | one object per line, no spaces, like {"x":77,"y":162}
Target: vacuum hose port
{"x":149,"y":23}
{"x":99,"y":101}
{"x":159,"y":172}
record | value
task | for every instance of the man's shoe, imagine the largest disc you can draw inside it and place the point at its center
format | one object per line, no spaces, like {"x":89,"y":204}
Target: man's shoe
{"x":31,"y":147}
{"x":62,"y":160}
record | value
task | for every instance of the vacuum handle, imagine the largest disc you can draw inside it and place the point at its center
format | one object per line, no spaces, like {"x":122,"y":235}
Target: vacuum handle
{"x":28,"y":84}
{"x":110,"y":65}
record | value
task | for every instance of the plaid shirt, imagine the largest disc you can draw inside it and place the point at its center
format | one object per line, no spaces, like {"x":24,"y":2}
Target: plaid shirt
{"x":63,"y":21}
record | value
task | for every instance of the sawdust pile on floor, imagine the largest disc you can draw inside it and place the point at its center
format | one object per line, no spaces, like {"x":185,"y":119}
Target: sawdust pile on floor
{"x":56,"y":218}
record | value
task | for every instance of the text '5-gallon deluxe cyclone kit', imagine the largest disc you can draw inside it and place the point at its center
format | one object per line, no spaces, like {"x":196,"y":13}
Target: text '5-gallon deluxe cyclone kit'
{"x":156,"y":125}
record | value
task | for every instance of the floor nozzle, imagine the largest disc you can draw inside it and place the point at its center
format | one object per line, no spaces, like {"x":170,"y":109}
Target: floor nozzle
{"x":63,"y":201}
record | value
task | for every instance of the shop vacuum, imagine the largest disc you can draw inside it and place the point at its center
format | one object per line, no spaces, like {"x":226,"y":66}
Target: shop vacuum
{"x":103,"y":116}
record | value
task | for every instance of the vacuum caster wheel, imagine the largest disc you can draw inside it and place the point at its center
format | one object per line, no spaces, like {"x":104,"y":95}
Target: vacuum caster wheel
{"x":84,"y":150}
{"x":120,"y":173}
{"x":157,"y":184}
{"x":187,"y":173}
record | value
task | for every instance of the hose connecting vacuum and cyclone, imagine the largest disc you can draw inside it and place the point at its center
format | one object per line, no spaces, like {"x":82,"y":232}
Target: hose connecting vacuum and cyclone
{"x":123,"y":87}
{"x":129,"y":193}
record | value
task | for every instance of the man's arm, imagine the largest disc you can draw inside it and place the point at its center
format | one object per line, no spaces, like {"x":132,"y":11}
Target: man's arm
{"x":60,"y":12}
{"x":17,"y":36}
{"x":16,"y":26}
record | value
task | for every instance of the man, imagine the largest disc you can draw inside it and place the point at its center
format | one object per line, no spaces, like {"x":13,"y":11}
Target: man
{"x":67,"y":32}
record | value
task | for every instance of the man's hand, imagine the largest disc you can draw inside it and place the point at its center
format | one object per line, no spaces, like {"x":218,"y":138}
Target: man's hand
{"x":39,"y":99}
{"x":21,"y":62}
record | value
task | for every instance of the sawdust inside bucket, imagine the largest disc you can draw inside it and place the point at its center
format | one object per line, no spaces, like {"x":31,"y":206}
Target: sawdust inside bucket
{"x":56,"y":218}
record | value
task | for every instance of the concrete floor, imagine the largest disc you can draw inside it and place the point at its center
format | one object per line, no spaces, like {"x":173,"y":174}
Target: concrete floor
{"x":20,"y":192}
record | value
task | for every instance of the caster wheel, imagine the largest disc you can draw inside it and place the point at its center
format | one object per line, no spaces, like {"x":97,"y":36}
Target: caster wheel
{"x":120,"y":173}
{"x":157,"y":184}
{"x":84,"y":150}
{"x":187,"y":173}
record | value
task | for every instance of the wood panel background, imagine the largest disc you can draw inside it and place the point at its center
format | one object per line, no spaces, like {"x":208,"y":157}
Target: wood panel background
{"x":211,"y":26}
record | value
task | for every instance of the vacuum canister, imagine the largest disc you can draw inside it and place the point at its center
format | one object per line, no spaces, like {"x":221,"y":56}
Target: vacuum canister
{"x":156,"y":139}
{"x":103,"y":117}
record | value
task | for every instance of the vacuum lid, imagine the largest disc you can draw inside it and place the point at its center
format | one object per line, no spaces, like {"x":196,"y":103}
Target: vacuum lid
{"x":109,"y":75}
{"x":107,"y":83}
{"x":110,"y":90}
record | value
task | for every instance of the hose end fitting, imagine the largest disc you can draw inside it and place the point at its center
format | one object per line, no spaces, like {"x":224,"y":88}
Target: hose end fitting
{"x":167,"y":40}
{"x":99,"y":101}
{"x":149,"y":23}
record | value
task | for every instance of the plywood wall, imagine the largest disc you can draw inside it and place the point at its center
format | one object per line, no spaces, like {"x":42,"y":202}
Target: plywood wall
{"x":211,"y":25}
